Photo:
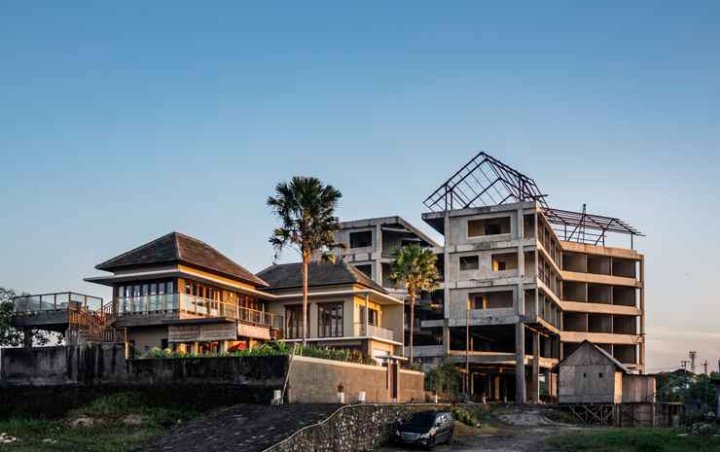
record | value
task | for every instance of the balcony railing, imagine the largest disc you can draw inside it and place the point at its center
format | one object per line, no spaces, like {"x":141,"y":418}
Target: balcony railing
{"x":362,"y":329}
{"x":189,"y":304}
{"x":61,"y":301}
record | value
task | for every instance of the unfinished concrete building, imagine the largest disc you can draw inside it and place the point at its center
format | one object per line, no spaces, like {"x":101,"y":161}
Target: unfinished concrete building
{"x":523,"y":285}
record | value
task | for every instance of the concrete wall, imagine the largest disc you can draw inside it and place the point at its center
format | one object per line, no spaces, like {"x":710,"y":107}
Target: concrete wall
{"x":43,"y":366}
{"x":315,"y":380}
{"x":106,"y":365}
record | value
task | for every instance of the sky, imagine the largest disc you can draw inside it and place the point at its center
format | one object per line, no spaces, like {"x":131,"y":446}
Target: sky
{"x":123,"y":121}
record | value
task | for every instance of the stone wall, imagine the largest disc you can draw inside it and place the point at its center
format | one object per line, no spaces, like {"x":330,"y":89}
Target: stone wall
{"x":315,"y":380}
{"x":351,"y":428}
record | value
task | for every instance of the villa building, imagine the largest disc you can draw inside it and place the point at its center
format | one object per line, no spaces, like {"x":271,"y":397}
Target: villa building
{"x":178,"y":292}
{"x":346,"y":309}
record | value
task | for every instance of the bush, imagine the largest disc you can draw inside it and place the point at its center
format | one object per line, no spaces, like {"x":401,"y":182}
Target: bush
{"x":445,"y":379}
{"x":465,"y":416}
{"x":268,"y":349}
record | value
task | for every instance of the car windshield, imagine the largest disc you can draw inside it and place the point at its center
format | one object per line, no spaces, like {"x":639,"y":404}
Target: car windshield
{"x":422,"y":419}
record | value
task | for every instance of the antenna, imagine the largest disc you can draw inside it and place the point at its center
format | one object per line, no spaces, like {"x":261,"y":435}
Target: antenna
{"x":692,"y":355}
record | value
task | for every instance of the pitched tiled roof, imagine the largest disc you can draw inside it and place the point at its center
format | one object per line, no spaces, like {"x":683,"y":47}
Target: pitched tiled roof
{"x":289,"y":276}
{"x":179,"y":248}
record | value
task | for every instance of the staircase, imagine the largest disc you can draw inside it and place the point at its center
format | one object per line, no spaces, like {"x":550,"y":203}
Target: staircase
{"x":94,"y":326}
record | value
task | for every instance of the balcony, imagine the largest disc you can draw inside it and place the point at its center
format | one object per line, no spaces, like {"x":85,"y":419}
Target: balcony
{"x":55,"y":302}
{"x":362,"y":329}
{"x":189,"y":305}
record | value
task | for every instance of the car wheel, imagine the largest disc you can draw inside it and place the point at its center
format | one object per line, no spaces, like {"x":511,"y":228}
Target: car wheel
{"x":450,"y":436}
{"x":432,"y":443}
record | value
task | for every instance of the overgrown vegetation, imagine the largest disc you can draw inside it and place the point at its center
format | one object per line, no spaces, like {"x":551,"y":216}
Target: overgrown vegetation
{"x":115,"y":422}
{"x":444,"y":379}
{"x":635,"y":440}
{"x":268,"y":349}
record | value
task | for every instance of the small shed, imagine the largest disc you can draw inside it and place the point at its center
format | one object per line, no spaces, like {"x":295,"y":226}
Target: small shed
{"x":591,"y":375}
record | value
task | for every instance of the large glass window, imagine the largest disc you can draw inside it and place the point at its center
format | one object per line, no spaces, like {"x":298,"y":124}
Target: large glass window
{"x":330,"y":320}
{"x":293,"y":322}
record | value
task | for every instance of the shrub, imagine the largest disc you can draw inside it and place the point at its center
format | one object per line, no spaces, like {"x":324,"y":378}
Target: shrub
{"x":445,"y":378}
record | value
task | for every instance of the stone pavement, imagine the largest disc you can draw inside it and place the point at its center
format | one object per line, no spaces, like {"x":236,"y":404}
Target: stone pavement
{"x":246,"y":428}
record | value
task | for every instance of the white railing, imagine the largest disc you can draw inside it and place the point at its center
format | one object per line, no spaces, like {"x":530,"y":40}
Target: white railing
{"x":61,"y":301}
{"x":374,"y":331}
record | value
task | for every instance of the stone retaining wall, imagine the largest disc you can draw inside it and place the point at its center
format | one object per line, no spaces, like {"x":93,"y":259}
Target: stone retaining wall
{"x":351,"y":428}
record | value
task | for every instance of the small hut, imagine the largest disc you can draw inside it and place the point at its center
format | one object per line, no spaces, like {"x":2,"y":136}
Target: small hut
{"x":600,"y":389}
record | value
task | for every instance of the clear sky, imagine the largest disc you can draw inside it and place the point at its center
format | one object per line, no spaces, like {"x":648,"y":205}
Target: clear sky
{"x":122,"y":121}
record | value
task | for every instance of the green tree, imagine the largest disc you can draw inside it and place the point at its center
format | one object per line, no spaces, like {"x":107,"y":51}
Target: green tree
{"x":306,"y":210}
{"x":415,"y":268}
{"x":9,"y":336}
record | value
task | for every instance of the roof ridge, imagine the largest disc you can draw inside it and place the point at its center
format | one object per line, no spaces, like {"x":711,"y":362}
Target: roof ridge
{"x":137,"y":248}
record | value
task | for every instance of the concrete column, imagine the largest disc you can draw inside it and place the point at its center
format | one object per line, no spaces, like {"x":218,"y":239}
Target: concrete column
{"x":27,"y":338}
{"x":520,"y":389}
{"x":377,"y":251}
{"x":496,"y":387}
{"x":535,"y":396}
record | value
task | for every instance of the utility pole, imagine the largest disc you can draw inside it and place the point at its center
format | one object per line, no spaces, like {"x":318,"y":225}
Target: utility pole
{"x":467,"y":349}
{"x":692,"y":355}
{"x":705,"y":364}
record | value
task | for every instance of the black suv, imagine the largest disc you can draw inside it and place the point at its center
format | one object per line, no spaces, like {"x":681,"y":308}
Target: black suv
{"x":425,"y":428}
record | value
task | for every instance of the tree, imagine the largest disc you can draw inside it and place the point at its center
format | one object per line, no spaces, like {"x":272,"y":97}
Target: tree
{"x":306,"y":210}
{"x":10,"y":336}
{"x":414,"y":267}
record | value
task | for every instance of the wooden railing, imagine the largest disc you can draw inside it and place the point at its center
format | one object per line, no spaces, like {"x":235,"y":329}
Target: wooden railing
{"x":199,"y":306}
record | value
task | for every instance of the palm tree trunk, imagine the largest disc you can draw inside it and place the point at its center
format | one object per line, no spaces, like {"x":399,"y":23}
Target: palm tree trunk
{"x":411,"y":296}
{"x":305,"y":299}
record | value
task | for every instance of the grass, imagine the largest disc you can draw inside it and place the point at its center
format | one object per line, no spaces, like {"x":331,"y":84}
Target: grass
{"x":109,"y":433}
{"x":634,"y":440}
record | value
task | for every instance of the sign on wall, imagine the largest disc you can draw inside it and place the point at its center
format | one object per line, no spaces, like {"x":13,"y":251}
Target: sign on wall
{"x":202,"y":333}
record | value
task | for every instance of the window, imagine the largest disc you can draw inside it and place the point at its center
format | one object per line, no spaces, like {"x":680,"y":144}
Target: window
{"x":330,"y":320}
{"x":366,"y":269}
{"x":373,"y":316}
{"x":293,"y":322}
{"x":360,"y":239}
{"x":600,"y":375}
{"x":490,"y":226}
{"x":469,"y":262}
{"x":504,"y":261}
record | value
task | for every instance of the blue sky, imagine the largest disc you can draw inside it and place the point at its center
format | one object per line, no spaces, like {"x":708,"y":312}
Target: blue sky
{"x":122,"y":122}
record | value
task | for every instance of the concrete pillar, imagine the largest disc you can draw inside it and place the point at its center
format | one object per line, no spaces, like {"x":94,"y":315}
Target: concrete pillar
{"x":377,"y":251}
{"x":535,"y":396}
{"x":27,"y":338}
{"x":496,"y":387}
{"x":520,"y":390}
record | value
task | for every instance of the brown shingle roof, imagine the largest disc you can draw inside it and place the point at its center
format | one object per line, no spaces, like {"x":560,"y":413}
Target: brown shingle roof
{"x":289,"y":276}
{"x":177,"y":248}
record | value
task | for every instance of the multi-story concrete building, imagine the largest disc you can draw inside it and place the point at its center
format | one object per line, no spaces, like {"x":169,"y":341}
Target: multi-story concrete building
{"x":523,"y":284}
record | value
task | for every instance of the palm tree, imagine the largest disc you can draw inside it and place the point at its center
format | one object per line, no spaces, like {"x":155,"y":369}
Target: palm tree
{"x":306,"y":210}
{"x":414,"y":267}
